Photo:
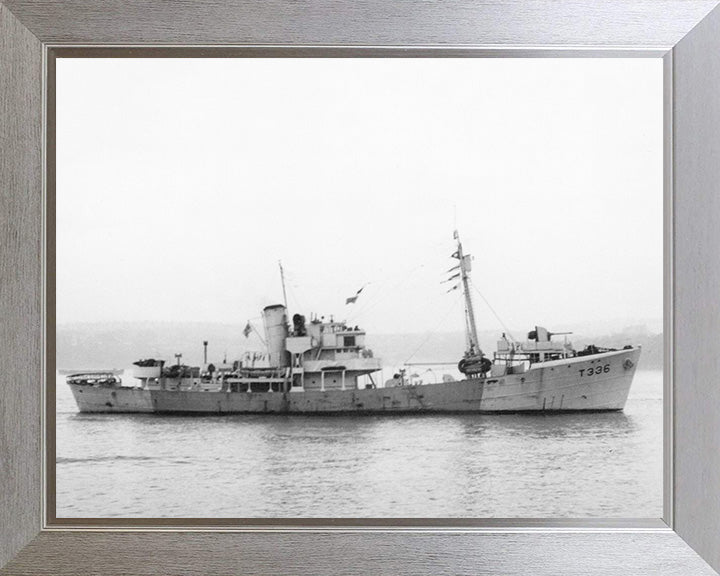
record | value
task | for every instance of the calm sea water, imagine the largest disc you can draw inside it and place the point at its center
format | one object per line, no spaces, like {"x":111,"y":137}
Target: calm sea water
{"x":565,"y":465}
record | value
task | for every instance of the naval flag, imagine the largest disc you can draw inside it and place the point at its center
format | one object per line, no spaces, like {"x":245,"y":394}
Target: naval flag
{"x":353,"y":299}
{"x":247,"y":329}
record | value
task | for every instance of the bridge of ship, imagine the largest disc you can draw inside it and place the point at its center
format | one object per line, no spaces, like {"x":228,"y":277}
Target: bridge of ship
{"x":329,"y":356}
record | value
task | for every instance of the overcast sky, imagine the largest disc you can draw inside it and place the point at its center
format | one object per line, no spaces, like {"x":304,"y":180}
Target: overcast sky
{"x":181,"y":183}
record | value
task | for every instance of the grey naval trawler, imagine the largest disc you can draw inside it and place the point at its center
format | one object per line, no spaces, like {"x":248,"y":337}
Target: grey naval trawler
{"x":324,"y":367}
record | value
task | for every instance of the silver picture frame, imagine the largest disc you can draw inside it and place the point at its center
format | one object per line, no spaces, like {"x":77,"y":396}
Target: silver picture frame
{"x":685,"y":34}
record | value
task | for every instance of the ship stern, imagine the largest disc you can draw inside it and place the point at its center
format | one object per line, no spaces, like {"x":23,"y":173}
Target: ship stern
{"x":104,"y":399}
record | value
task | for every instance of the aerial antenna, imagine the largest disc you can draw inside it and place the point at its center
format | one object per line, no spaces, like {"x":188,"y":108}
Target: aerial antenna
{"x":282,"y":280}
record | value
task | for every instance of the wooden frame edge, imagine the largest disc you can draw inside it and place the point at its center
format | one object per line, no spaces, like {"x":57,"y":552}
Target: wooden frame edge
{"x":20,"y":284}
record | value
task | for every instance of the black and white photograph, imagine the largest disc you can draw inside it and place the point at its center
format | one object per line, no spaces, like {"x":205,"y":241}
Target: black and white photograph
{"x":359,"y":288}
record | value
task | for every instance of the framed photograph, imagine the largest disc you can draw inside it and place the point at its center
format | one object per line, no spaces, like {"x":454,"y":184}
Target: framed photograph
{"x":317,"y":294}
{"x":342,"y":290}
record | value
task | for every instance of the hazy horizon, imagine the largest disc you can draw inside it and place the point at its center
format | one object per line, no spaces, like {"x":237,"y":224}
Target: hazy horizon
{"x":653,"y":325}
{"x":116,"y":345}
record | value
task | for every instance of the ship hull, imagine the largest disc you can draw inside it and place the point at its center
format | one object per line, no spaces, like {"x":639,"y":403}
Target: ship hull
{"x":107,"y":399}
{"x":587,"y":383}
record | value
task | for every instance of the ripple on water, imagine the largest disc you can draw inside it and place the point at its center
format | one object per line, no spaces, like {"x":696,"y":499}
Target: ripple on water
{"x":564,"y":465}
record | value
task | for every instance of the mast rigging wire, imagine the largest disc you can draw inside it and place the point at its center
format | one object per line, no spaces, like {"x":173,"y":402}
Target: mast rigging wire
{"x":431,"y":333}
{"x":380,"y":292}
{"x":387,"y":283}
{"x":497,"y":317}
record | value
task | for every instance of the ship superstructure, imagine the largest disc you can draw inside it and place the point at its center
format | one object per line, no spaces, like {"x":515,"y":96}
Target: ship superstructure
{"x":319,"y":355}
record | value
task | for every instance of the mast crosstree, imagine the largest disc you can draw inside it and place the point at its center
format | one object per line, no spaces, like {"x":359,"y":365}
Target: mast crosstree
{"x":465,"y":264}
{"x":474,"y":360}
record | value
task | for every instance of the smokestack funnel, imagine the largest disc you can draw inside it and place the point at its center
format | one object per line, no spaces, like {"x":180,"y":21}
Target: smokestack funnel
{"x":274,"y":318}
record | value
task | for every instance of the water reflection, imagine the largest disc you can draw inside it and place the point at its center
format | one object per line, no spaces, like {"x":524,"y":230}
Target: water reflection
{"x":515,"y":465}
{"x":543,"y":426}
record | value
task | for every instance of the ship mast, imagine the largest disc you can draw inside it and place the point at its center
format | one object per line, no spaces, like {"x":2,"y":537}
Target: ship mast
{"x":282,"y":280}
{"x":471,"y":328}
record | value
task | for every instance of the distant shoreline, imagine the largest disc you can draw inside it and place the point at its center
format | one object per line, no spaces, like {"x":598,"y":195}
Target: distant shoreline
{"x":101,"y":345}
